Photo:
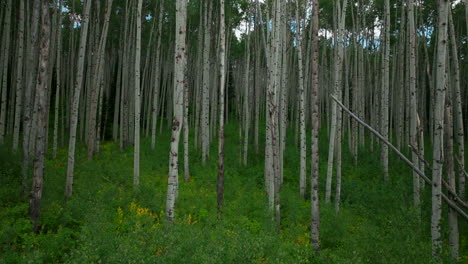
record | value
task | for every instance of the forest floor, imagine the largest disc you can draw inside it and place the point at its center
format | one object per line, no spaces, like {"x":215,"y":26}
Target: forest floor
{"x":107,"y":222}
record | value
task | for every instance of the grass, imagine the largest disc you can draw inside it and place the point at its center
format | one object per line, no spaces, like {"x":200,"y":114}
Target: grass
{"x":106,"y":221}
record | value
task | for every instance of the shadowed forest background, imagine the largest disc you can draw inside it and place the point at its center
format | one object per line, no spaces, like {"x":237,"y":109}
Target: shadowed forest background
{"x":233,"y":131}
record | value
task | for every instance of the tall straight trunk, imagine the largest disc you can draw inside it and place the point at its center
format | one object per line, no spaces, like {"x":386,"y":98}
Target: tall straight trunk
{"x":4,"y":69}
{"x":412,"y":100}
{"x":205,"y":131}
{"x":440,"y":87}
{"x":41,"y":102}
{"x":28,"y":93}
{"x":58,"y":82}
{"x":385,"y":88}
{"x":246,"y":85}
{"x":401,"y":79}
{"x":136,"y":153}
{"x":450,"y":170}
{"x":314,"y":179}
{"x":335,"y":131}
{"x":458,"y":106}
{"x":186,"y":134}
{"x":96,"y":83}
{"x":222,"y":80}
{"x":115,"y":123}
{"x":157,"y":83}
{"x":302,"y":103}
{"x":76,"y":100}
{"x":273,"y":120}
{"x":180,"y":68}
{"x":19,"y":76}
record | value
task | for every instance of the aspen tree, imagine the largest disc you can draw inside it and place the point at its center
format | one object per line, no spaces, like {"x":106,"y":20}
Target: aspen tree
{"x":385,"y":87}
{"x":76,"y":100}
{"x":157,"y":83}
{"x":58,"y":81}
{"x":41,"y":102}
{"x":341,"y":11}
{"x":457,"y":107}
{"x":246,"y":85}
{"x":205,"y":131}
{"x":450,"y":170}
{"x":19,"y":76}
{"x":335,"y":131}
{"x":222,"y":65}
{"x":180,"y":67}
{"x":314,"y":179}
{"x":136,"y":153}
{"x":412,"y":100}
{"x":4,"y":69}
{"x":440,"y":88}
{"x":302,"y":103}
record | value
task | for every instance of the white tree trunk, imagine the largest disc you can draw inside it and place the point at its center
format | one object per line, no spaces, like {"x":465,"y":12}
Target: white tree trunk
{"x":439,"y":127}
{"x":136,"y":152}
{"x":385,"y":88}
{"x":412,"y":100}
{"x":302,"y":103}
{"x":41,"y":121}
{"x":76,"y":100}
{"x":222,"y":82}
{"x":180,"y":67}
{"x":314,"y":185}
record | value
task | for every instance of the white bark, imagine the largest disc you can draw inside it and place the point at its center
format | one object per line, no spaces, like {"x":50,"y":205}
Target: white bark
{"x":439,"y":126}
{"x":180,"y":67}
{"x":222,"y":82}
{"x":412,"y":91}
{"x":136,"y":151}
{"x":314,"y":185}
{"x":302,"y":103}
{"x":157,"y":83}
{"x":205,"y":131}
{"x":76,"y":100}
{"x":58,"y":83}
{"x":385,"y":88}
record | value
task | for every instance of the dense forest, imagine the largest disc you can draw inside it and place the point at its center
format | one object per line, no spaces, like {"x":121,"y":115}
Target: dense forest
{"x":233,"y":131}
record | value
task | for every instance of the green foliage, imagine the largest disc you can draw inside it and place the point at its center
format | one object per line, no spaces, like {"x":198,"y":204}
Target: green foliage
{"x":107,"y":221}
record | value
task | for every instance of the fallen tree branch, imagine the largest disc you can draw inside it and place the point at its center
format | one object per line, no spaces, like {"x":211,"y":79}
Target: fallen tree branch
{"x":450,"y":190}
{"x":461,"y":167}
{"x":403,"y":157}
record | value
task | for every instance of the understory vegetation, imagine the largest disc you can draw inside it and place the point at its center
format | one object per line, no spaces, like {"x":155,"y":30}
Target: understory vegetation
{"x":106,"y":221}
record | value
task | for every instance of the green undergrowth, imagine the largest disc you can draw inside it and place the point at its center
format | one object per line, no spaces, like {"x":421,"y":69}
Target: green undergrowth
{"x":107,"y":221}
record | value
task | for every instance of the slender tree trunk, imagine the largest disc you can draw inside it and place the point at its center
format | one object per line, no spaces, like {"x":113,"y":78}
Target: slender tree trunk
{"x":439,"y":127}
{"x":385,"y":88}
{"x":335,"y":131}
{"x":19,"y":76}
{"x":76,"y":100}
{"x":205,"y":132}
{"x":4,"y":69}
{"x":314,"y":179}
{"x":41,"y":102}
{"x":136,"y":153}
{"x":58,"y":83}
{"x":458,"y":106}
{"x":246,"y":85}
{"x":222,"y":66}
{"x":180,"y":68}
{"x":157,"y":83}
{"x":302,"y":103}
{"x":450,"y":170}
{"x":412,"y":91}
